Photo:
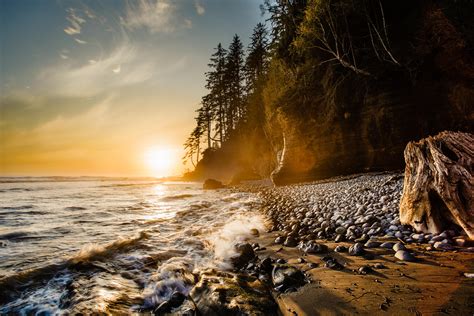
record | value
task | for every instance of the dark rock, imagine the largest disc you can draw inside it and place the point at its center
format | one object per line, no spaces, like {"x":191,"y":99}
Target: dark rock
{"x":312,"y":265}
{"x":365,"y":270}
{"x":356,"y":249}
{"x":372,"y":244}
{"x":398,"y":246}
{"x":312,"y":247}
{"x":245,"y":253}
{"x":339,"y":238}
{"x":176,"y":299}
{"x":212,"y":184}
{"x":224,"y":293}
{"x":387,"y":245}
{"x":266,"y":265}
{"x":379,"y":266}
{"x":279,"y":240}
{"x":340,"y":248}
{"x":332,"y":263}
{"x":286,"y":277}
{"x":290,"y":242}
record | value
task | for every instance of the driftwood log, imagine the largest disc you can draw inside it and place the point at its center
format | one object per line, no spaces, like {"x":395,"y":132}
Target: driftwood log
{"x":439,"y":185}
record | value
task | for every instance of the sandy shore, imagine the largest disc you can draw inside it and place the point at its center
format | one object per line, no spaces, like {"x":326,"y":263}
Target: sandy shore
{"x":433,"y":283}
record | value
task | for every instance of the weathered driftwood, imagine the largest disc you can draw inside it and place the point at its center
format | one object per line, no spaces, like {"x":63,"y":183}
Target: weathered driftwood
{"x":439,"y":185}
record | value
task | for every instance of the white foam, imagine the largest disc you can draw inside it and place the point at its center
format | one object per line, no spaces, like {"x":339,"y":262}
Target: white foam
{"x":237,"y":230}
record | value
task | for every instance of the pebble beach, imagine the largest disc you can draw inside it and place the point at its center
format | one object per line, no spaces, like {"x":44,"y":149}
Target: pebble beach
{"x":345,"y":236}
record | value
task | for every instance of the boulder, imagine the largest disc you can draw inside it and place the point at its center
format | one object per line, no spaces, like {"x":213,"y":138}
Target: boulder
{"x":225,"y":293}
{"x":439,"y":184}
{"x":245,"y":253}
{"x":212,"y":184}
{"x":286,"y":277}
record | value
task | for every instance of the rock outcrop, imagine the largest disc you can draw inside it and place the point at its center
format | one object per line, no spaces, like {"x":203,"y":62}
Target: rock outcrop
{"x":212,"y":184}
{"x":438,"y":189}
{"x":352,"y":124}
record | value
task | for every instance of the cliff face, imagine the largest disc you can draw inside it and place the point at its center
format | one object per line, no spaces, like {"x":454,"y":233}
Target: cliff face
{"x":372,"y":119}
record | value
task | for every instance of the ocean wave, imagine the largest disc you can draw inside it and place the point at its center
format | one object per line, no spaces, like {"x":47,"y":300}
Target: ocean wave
{"x":118,"y":185}
{"x":9,"y":284}
{"x":177,"y":197}
{"x":15,"y":235}
{"x":16,"y":190}
{"x":16,"y":208}
{"x":75,"y":208}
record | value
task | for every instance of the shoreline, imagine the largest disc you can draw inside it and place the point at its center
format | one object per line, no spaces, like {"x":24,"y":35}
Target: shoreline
{"x":377,"y":282}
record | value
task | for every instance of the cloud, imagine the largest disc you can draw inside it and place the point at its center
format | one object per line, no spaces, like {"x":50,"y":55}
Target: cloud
{"x":199,"y":8}
{"x":98,"y":75}
{"x":75,"y":22}
{"x":117,"y":69}
{"x":155,"y":15}
{"x":80,"y":41}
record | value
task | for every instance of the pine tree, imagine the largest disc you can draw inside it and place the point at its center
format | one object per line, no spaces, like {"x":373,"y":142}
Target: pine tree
{"x":256,"y":63}
{"x":215,"y":83}
{"x":234,"y":78}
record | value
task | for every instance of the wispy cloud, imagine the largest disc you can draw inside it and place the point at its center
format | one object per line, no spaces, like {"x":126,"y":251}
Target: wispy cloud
{"x":80,"y":41}
{"x":199,"y":8}
{"x":98,"y":76}
{"x":155,"y":15}
{"x":117,"y":69}
{"x":75,"y":22}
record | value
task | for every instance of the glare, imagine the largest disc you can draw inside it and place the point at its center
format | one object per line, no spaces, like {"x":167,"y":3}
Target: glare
{"x":159,"y":161}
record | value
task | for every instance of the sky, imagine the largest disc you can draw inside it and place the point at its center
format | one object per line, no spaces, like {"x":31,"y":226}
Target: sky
{"x":98,"y":87}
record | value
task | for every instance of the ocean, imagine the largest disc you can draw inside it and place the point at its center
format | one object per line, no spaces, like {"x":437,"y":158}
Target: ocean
{"x":93,"y":245}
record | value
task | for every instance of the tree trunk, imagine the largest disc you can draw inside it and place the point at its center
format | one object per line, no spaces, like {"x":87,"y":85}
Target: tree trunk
{"x":439,"y":185}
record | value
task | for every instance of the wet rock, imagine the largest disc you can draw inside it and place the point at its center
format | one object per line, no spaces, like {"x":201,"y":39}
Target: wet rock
{"x":439,"y":245}
{"x":290,"y":242}
{"x":461,"y":242}
{"x":245,"y":253}
{"x":387,"y":245}
{"x":404,"y":255}
{"x":340,"y":248}
{"x":266,"y":265}
{"x":332,"y":263}
{"x":356,"y":249}
{"x":225,"y":293}
{"x":212,"y":184}
{"x":371,"y":244}
{"x":312,"y":265}
{"x":279,"y":240}
{"x":285,"y":277}
{"x":312,"y":247}
{"x":255,"y":232}
{"x":365,"y":270}
{"x":398,"y":246}
{"x":379,"y":266}
{"x":176,"y":299}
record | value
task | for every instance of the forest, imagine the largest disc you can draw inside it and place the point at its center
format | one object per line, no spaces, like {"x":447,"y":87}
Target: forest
{"x":332,"y":87}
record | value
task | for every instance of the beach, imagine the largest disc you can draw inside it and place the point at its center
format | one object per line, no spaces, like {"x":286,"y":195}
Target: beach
{"x":338,"y":213}
{"x":139,"y":246}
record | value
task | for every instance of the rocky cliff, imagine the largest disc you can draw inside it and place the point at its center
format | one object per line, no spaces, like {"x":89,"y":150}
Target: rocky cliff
{"x":357,"y":124}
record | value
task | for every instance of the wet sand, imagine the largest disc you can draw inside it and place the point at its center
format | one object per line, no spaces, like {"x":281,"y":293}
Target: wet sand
{"x":434,"y":285}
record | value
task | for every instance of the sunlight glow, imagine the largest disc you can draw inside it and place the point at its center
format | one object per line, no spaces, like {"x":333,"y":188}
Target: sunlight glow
{"x":159,"y":161}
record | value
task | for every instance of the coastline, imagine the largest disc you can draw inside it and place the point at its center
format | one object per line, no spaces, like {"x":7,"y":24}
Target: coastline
{"x":433,"y":284}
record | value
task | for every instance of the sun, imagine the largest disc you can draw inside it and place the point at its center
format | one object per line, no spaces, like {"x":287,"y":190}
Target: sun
{"x":159,"y":161}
